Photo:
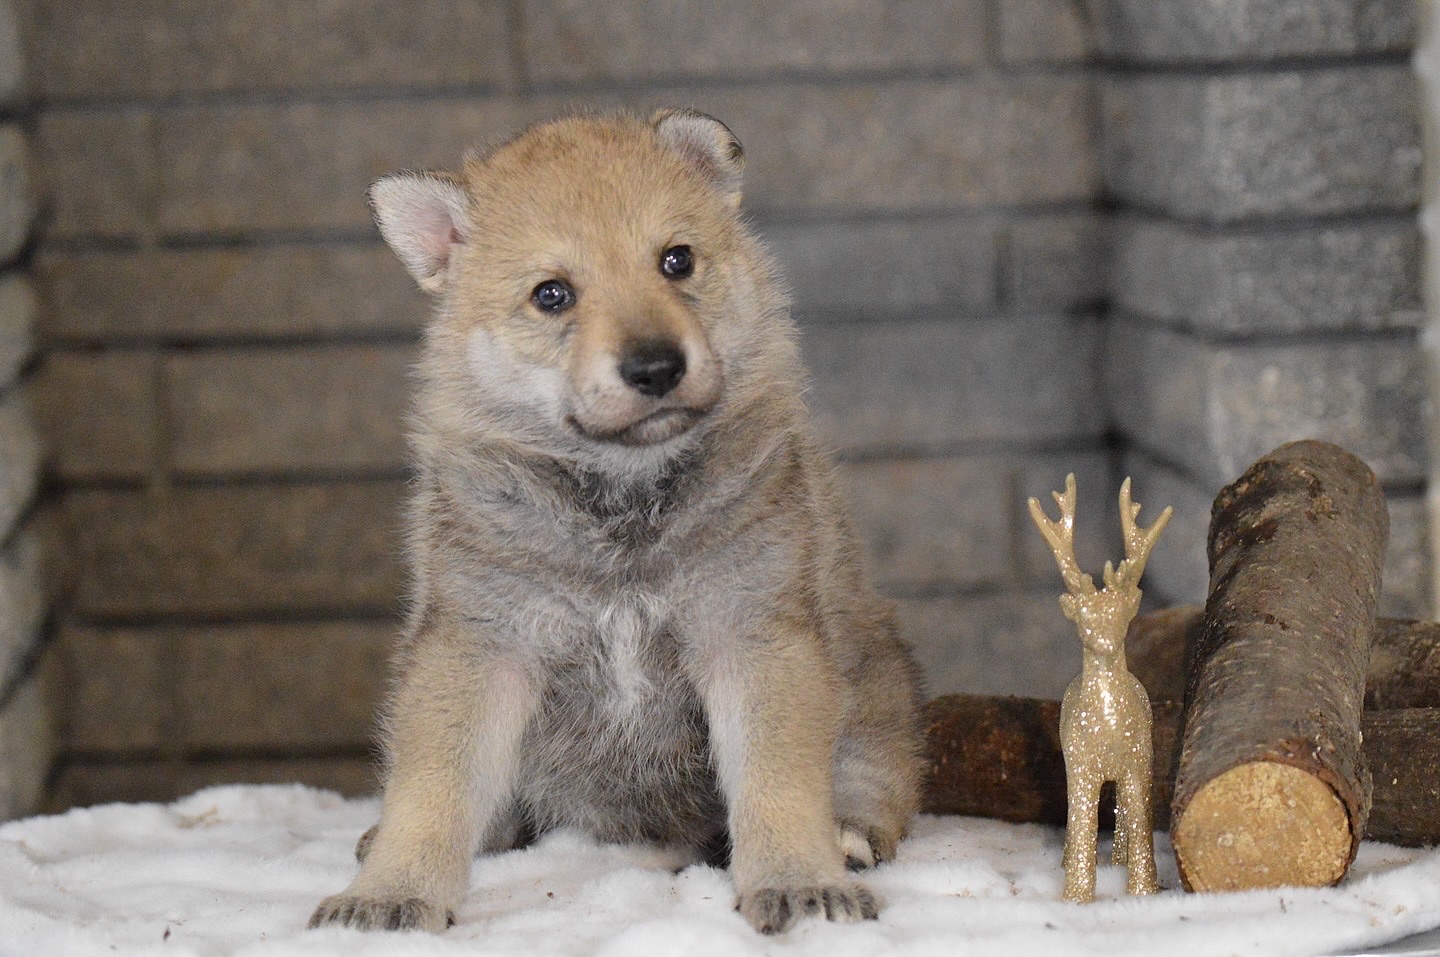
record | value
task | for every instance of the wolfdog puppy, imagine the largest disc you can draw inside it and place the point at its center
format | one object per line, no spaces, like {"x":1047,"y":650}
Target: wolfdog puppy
{"x":637,"y":607}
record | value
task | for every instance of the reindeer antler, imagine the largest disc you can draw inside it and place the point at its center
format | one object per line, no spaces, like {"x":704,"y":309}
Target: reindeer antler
{"x":1138,"y":541}
{"x":1061,"y":537}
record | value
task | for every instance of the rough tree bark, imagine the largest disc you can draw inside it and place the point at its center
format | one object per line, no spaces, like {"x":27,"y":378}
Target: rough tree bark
{"x":1272,"y":787}
{"x":1000,"y":758}
{"x":1404,"y":669}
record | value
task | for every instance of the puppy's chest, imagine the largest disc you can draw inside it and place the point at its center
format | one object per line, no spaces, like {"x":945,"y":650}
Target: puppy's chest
{"x":625,"y":659}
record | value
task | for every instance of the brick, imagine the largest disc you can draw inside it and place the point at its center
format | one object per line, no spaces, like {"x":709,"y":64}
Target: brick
{"x":1045,"y":31}
{"x":17,"y":201}
{"x":153,"y":48}
{"x":1012,"y":643}
{"x":1052,"y":262}
{"x":888,"y":268}
{"x":960,"y":521}
{"x":238,"y":550}
{"x":1216,"y":408}
{"x":572,"y":40}
{"x":314,"y":686}
{"x":1097,"y":522}
{"x":259,"y":168}
{"x":1311,"y":278}
{"x":19,"y":458}
{"x":17,"y":325}
{"x":922,"y":145}
{"x":119,"y":688}
{"x":56,"y":554}
{"x":23,"y":602}
{"x":1178,"y":572}
{"x":85,"y":783}
{"x":926,"y":145}
{"x":1286,"y":143}
{"x":287,"y":410}
{"x":26,"y":747}
{"x":98,"y":413}
{"x":272,"y":291}
{"x":1195,"y":31}
{"x":12,"y":62}
{"x":929,"y":384}
{"x":356,"y":776}
{"x":932,"y":521}
{"x":1405,"y":590}
{"x":97,"y":168}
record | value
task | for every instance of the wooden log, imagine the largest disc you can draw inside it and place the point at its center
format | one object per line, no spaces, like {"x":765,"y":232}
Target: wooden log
{"x":1000,"y":758}
{"x":995,"y":757}
{"x":1272,"y":787}
{"x":1404,"y":669}
{"x":1402,"y":748}
{"x":1156,"y":645}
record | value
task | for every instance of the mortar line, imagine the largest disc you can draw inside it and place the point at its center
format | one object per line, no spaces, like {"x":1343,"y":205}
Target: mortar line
{"x":600,"y":88}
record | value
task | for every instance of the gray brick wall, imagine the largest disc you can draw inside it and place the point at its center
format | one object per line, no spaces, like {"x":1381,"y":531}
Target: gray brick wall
{"x":985,"y":207}
{"x":1265,"y":283}
{"x":26,"y":731}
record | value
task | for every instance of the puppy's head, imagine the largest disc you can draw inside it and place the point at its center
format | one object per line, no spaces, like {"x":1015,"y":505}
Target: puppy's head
{"x":593,"y":278}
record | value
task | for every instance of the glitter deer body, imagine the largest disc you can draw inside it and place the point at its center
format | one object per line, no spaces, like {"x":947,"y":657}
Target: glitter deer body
{"x":1105,"y":715}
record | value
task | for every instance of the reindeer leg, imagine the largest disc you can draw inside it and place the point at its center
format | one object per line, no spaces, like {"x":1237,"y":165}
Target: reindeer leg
{"x":1132,"y":792}
{"x":1081,"y":836}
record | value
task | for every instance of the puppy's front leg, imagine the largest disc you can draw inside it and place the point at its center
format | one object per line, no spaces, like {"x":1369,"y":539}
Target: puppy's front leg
{"x":452,"y":742}
{"x":774,"y":705}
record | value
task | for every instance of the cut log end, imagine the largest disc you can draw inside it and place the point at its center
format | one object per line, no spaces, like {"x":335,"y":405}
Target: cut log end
{"x":1263,"y":824}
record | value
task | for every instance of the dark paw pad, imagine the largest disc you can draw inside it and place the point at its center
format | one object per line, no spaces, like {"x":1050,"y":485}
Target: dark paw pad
{"x":372,"y":913}
{"x":769,"y":912}
{"x":850,"y":904}
{"x":772,"y":911}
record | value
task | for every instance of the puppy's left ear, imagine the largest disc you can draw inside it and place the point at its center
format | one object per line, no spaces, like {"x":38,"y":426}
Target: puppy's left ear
{"x":707,"y":145}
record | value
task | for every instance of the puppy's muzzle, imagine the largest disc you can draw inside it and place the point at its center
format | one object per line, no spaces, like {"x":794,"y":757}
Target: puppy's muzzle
{"x":653,"y":368}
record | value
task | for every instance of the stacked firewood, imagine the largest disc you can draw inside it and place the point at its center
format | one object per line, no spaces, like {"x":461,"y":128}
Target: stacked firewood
{"x":1289,"y":722}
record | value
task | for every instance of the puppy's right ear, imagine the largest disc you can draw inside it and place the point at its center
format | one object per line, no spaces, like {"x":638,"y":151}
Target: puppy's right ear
{"x":423,"y":216}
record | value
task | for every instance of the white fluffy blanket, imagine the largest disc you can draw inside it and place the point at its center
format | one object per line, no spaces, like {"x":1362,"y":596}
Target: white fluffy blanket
{"x":237,"y":870}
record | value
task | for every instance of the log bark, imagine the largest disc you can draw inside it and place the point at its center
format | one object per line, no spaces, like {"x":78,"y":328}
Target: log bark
{"x":1272,"y":787}
{"x":1000,"y":758}
{"x":1404,"y":669}
{"x":995,"y":757}
{"x":1402,"y":748}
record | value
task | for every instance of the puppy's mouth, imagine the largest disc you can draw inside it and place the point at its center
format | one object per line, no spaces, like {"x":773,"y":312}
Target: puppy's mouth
{"x":657,"y":427}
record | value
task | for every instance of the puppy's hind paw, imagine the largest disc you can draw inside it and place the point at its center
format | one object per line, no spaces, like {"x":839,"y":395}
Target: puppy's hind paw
{"x":858,"y":850}
{"x":381,"y":913}
{"x":362,"y":846}
{"x":771,"y":911}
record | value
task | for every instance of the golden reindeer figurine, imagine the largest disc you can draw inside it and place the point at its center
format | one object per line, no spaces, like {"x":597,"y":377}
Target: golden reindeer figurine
{"x":1105,"y":716}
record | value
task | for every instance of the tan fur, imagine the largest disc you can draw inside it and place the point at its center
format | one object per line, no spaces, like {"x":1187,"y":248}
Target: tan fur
{"x":639,"y":614}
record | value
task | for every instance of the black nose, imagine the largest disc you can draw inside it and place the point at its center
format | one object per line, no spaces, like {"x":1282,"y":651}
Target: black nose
{"x":653,"y":368}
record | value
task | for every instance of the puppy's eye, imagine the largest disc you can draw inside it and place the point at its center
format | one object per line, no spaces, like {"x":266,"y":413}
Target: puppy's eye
{"x":553,"y":295}
{"x":677,"y":262}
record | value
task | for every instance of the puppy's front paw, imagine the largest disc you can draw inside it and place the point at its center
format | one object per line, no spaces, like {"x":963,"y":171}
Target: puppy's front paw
{"x":771,"y":910}
{"x":364,"y":912}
